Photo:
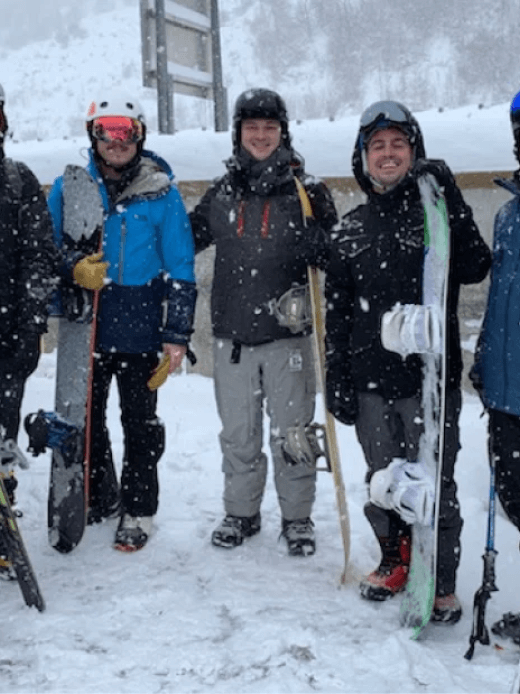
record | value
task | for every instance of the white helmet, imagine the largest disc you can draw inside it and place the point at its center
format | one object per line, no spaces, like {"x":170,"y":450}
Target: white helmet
{"x":116,"y":103}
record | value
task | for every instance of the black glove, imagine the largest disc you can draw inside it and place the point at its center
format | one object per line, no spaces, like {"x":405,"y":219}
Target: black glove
{"x":341,"y":395}
{"x":437,"y":168}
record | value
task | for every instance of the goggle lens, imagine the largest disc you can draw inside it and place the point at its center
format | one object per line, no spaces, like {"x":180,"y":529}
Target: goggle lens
{"x":122,"y":128}
{"x":383,"y":110}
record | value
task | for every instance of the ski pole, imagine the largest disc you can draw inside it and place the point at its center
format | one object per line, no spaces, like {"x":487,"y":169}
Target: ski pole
{"x":479,"y":631}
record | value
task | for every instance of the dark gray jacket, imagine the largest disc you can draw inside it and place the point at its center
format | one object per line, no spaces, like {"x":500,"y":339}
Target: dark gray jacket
{"x":254,"y":218}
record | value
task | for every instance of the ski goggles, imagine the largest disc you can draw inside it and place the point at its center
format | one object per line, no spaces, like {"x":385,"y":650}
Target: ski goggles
{"x":112,"y":128}
{"x":384,"y":114}
{"x":389,"y":111}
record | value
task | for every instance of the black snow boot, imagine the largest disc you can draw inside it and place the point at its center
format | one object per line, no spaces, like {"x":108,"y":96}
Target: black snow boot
{"x":233,"y":529}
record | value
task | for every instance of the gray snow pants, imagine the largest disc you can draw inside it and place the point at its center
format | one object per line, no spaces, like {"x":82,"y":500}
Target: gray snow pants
{"x":391,"y":429}
{"x":281,"y":374}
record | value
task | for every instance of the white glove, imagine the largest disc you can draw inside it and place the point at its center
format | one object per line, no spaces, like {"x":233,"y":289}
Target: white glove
{"x":406,"y":488}
{"x":412,"y":329}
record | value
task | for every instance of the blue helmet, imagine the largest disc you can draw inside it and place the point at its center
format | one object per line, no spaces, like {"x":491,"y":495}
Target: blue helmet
{"x":515,"y":114}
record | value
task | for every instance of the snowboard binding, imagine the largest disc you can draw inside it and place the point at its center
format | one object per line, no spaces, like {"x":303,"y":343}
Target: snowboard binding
{"x":405,"y":488}
{"x":49,"y":430}
{"x":304,"y":445}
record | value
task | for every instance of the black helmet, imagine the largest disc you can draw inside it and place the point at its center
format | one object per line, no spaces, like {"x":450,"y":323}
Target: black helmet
{"x":260,"y":103}
{"x":380,"y":116}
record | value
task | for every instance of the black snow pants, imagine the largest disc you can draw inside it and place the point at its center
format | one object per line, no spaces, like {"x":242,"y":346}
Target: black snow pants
{"x":14,"y":372}
{"x":144,"y":436}
{"x":388,"y":429}
{"x":504,"y":446}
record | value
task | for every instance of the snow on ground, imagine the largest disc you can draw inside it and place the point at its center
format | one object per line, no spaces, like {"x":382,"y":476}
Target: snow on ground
{"x":182,"y":616}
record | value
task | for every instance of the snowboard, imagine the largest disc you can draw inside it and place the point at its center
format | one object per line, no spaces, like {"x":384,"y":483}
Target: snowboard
{"x":11,"y":540}
{"x":83,"y":214}
{"x":419,"y":596}
{"x":331,"y":442}
{"x":329,"y":428}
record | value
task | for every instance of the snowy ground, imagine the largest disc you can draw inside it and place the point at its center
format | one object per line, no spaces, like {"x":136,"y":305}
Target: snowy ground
{"x":183,"y":616}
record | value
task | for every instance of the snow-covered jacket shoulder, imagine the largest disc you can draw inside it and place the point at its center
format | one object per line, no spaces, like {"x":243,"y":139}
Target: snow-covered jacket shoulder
{"x":498,"y":355}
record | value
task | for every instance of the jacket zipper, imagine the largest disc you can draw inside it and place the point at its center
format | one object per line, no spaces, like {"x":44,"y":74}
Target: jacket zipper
{"x":122,"y":251}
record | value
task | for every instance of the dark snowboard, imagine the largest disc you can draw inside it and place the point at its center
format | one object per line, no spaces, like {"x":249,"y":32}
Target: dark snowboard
{"x":82,"y":231}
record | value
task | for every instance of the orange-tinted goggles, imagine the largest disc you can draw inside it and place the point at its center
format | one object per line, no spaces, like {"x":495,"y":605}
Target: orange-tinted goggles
{"x":112,"y":128}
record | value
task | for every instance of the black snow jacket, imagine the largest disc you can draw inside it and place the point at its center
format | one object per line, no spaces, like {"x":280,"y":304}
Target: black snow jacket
{"x":375,"y":260}
{"x":253,"y":216}
{"x":28,"y":262}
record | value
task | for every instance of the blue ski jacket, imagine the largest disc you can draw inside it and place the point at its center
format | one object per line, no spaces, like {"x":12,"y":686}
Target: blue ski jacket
{"x":147,"y":241}
{"x":496,"y":372}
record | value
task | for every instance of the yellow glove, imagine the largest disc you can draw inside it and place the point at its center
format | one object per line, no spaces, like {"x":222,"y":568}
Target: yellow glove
{"x":160,"y":373}
{"x":90,"y":272}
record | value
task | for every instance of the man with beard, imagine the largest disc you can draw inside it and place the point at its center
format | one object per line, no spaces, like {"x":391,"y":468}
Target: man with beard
{"x":144,"y":273}
{"x":375,"y":266}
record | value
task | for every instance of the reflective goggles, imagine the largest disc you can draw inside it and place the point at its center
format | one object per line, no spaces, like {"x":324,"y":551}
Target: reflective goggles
{"x":112,"y":128}
{"x":389,"y":111}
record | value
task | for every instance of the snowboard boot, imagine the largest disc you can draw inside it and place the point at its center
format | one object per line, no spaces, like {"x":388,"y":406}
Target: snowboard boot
{"x":233,"y":529}
{"x":446,"y":609}
{"x":299,"y":535}
{"x":132,"y":533}
{"x":508,"y":627}
{"x":392,"y":573}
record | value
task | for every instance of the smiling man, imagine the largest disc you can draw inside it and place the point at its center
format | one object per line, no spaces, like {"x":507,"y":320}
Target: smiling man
{"x":375,"y":263}
{"x":144,"y":273}
{"x":253,"y":216}
{"x":389,"y":158}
